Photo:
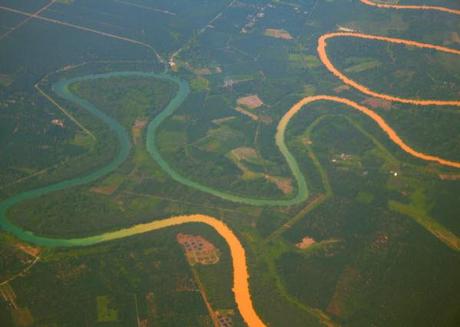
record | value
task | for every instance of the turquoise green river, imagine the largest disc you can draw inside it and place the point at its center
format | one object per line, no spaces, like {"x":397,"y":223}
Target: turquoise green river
{"x":61,"y":88}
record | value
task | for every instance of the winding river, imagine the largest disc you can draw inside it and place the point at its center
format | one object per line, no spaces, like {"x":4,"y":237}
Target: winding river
{"x":240,"y":273}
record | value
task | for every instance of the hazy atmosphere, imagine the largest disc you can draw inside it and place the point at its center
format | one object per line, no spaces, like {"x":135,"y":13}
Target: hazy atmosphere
{"x":221,"y":163}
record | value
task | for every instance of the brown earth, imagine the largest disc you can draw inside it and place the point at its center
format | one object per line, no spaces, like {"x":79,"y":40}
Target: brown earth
{"x":250,"y":101}
{"x":278,"y":33}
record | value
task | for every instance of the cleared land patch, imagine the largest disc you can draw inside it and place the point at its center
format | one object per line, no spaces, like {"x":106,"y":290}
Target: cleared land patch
{"x":242,"y":155}
{"x":238,"y":155}
{"x":278,"y":33}
{"x":109,"y":185}
{"x":305,"y":243}
{"x":137,"y":128}
{"x":284,"y":184}
{"x":250,"y":101}
{"x":198,"y":249}
{"x":377,"y":103}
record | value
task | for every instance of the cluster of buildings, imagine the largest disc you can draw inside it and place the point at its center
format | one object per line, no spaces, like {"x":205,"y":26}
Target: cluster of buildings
{"x":198,"y":249}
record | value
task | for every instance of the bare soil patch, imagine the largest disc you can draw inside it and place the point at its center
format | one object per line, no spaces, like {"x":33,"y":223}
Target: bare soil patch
{"x":278,"y":33}
{"x":137,"y":128}
{"x":455,"y":37}
{"x":282,"y":183}
{"x":305,"y":243}
{"x":250,"y":101}
{"x":245,"y":153}
{"x":449,"y":177}
{"x":30,"y":250}
{"x":377,"y":103}
{"x":341,"y":88}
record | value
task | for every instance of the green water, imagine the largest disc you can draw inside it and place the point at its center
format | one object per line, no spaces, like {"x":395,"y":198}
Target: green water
{"x":152,"y":129}
{"x":61,"y":88}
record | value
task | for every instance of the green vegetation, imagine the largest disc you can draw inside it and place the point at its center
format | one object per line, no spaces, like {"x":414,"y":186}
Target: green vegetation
{"x":199,"y":84}
{"x":300,"y":60}
{"x":384,"y":225}
{"x":105,"y":311}
{"x":359,"y":66}
{"x":435,"y":228}
{"x":365,"y":197}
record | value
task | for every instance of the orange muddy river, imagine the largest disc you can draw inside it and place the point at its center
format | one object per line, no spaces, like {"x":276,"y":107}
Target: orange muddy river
{"x":241,"y":288}
{"x":240,"y":270}
{"x":322,"y":52}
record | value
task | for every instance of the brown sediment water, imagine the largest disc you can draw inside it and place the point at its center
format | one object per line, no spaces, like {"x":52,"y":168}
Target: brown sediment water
{"x":322,"y":52}
{"x":240,"y":271}
{"x":371,"y":114}
{"x":241,"y":288}
{"x":413,"y":7}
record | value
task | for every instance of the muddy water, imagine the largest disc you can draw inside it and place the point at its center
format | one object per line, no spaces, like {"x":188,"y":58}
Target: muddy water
{"x":371,"y":114}
{"x":240,"y":271}
{"x":322,"y":52}
{"x":412,"y":7}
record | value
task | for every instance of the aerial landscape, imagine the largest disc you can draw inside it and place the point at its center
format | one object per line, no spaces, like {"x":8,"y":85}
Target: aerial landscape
{"x":229,"y":163}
